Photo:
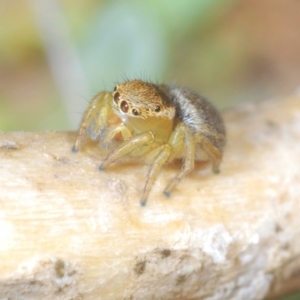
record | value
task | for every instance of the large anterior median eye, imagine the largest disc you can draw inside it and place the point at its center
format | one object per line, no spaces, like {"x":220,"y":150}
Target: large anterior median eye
{"x":124,"y":106}
{"x":116,"y":97}
{"x":157,"y":108}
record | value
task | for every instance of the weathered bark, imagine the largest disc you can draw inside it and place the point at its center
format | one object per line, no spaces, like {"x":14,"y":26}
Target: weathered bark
{"x":68,"y":231}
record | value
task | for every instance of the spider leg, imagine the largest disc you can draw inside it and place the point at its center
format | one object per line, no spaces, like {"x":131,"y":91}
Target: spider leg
{"x":94,"y":118}
{"x":126,"y":147}
{"x":184,"y":136}
{"x":159,"y":160}
{"x":112,"y":131}
{"x":213,"y":152}
{"x":161,"y":155}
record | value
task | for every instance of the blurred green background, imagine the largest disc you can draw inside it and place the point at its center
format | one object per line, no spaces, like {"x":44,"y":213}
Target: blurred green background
{"x":55,"y":55}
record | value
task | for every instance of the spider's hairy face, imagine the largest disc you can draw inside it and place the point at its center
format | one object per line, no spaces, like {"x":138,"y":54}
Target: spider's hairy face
{"x":142,"y":100}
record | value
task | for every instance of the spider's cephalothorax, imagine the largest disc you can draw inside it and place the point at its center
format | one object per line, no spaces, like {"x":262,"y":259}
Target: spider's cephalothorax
{"x":161,"y":122}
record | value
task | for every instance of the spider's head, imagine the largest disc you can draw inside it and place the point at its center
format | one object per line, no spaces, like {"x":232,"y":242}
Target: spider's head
{"x":142,"y":100}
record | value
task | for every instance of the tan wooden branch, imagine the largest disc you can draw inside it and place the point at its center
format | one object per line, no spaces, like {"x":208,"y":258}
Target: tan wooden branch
{"x":68,"y":231}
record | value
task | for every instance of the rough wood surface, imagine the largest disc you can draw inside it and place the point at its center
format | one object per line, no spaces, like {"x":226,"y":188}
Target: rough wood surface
{"x":68,"y":231}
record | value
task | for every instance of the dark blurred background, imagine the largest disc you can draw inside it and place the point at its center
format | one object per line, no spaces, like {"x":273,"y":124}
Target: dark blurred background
{"x":56,"y":54}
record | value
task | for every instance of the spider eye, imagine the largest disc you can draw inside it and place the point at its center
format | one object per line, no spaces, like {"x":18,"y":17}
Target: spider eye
{"x":135,"y":112}
{"x":124,"y":106}
{"x":157,"y":108}
{"x":116,"y":97}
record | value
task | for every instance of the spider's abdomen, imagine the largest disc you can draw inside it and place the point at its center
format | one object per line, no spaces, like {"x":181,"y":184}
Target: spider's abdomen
{"x":199,"y":114}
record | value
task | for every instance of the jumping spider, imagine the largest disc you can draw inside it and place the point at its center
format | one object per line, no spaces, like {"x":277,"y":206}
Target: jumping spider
{"x":161,"y":122}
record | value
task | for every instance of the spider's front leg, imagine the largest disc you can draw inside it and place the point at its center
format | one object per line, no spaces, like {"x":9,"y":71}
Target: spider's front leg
{"x":95,"y":118}
{"x":126,"y":147}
